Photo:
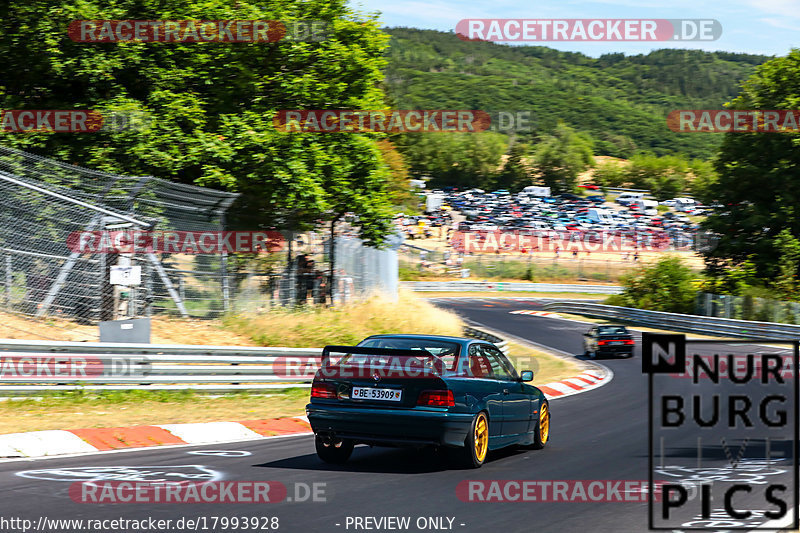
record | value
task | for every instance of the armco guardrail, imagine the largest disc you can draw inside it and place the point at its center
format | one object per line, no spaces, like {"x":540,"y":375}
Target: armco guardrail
{"x":40,"y":366}
{"x":478,"y":334}
{"x":459,"y":286}
{"x":727,"y":327}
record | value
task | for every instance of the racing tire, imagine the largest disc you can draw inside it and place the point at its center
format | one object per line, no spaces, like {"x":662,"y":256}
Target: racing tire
{"x":335,"y":453}
{"x":541,"y":435}
{"x":476,"y":445}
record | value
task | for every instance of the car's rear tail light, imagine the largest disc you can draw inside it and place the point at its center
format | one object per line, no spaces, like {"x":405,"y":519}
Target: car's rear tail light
{"x":628,"y":342}
{"x":436,"y":398}
{"x":323,"y":390}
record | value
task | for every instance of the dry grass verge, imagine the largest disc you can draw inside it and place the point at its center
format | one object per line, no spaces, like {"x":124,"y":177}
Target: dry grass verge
{"x":546,"y":368}
{"x":347,"y":324}
{"x":164,"y":330}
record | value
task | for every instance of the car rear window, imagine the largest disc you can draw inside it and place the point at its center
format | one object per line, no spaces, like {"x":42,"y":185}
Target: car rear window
{"x":447,"y":351}
{"x":612,"y":330}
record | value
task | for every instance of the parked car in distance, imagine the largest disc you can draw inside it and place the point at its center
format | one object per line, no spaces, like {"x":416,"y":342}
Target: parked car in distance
{"x":608,"y":339}
{"x":627,"y":197}
{"x":570,"y":196}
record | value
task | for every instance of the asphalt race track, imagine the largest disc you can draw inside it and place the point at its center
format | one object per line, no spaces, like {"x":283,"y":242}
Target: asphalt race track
{"x":598,"y":435}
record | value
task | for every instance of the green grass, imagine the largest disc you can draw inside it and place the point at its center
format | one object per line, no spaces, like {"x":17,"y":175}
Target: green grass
{"x":519,"y":269}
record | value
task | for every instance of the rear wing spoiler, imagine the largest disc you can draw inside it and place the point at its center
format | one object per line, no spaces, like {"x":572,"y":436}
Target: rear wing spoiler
{"x":364,"y":350}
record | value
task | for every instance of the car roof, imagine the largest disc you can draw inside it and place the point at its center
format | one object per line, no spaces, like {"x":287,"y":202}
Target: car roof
{"x":460,"y":340}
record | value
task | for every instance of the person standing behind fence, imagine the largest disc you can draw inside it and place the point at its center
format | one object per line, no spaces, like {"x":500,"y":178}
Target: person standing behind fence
{"x":320,"y":283}
{"x":302,"y":276}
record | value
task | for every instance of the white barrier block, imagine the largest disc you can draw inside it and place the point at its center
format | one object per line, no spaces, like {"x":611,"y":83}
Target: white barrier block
{"x":206,"y":432}
{"x":41,"y":443}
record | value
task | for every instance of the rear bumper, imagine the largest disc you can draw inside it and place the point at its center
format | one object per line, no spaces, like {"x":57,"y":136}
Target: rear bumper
{"x":615,"y":350}
{"x":390,"y":426}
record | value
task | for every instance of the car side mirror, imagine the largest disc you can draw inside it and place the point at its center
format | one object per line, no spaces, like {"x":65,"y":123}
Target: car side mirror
{"x":526,"y":375}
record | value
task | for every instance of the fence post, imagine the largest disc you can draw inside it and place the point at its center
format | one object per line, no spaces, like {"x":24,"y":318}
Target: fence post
{"x":104,"y":292}
{"x":224,"y":269}
{"x":9,"y":280}
{"x":149,"y":296}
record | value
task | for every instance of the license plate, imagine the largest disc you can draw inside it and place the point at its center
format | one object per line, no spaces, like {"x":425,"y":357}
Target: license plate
{"x":617,"y":342}
{"x":372,"y":393}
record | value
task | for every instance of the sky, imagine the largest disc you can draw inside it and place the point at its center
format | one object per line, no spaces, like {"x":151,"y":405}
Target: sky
{"x":768,"y":27}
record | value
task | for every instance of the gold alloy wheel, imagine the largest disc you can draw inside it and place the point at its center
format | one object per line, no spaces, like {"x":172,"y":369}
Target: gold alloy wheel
{"x":481,"y":437}
{"x":544,"y":424}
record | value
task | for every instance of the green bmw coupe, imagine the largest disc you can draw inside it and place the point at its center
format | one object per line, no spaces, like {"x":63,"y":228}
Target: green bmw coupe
{"x":461,"y":395}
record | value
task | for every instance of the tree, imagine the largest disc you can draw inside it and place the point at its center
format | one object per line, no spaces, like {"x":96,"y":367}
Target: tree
{"x":663,"y":286}
{"x":516,"y":172}
{"x":788,"y":265}
{"x":561,"y":157}
{"x":212,"y":104}
{"x":398,"y":186}
{"x":759,"y":178}
{"x":665,"y":177}
{"x":463,"y":160}
{"x":704,"y":185}
{"x":609,"y":174}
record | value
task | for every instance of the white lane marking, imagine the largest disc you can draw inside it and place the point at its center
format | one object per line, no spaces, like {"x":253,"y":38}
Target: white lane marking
{"x":221,"y":453}
{"x":147,"y":449}
{"x":124,"y":473}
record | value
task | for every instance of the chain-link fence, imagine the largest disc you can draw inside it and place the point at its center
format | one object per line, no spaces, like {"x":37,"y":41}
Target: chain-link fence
{"x":362,"y":270}
{"x":48,"y":211}
{"x":747,"y":308}
{"x":60,"y":233}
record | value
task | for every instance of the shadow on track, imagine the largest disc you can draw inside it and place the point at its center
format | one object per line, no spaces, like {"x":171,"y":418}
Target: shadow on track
{"x":387,"y":461}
